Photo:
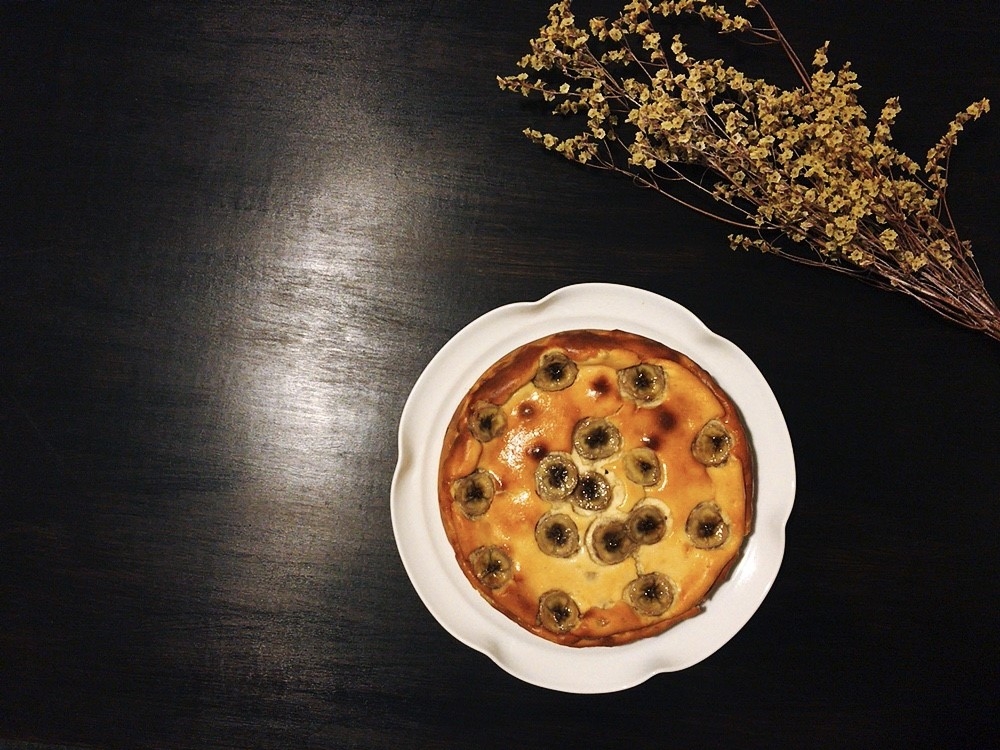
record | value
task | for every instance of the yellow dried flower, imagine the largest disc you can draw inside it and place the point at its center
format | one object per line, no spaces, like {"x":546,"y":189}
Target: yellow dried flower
{"x":820,"y":59}
{"x":799,"y":170}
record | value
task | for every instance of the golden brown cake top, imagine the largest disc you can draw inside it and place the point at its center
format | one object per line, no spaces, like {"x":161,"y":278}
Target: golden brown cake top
{"x":596,"y":486}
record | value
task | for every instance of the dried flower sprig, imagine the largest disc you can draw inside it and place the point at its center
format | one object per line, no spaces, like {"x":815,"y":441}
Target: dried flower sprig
{"x":798,"y":172}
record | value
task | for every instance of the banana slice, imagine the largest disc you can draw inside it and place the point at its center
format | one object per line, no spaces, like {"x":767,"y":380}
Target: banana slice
{"x":608,"y":540}
{"x":596,"y":437}
{"x":555,"y":372}
{"x":592,"y":492}
{"x":556,"y":476}
{"x":706,"y":527}
{"x":473,"y":493}
{"x":648,"y":522}
{"x":642,"y":466}
{"x":491,"y":565}
{"x":650,"y":594}
{"x":557,"y":612}
{"x":712,"y":444}
{"x":557,"y":535}
{"x":486,"y":421}
{"x":645,"y":383}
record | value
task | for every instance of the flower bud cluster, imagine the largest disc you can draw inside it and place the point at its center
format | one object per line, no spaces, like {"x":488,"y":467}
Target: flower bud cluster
{"x":799,"y":171}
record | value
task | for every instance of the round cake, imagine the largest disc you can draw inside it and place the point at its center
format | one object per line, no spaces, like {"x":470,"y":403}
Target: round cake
{"x":596,"y":486}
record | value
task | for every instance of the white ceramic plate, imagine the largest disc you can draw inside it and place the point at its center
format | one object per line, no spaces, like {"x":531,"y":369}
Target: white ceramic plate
{"x":428,"y":557}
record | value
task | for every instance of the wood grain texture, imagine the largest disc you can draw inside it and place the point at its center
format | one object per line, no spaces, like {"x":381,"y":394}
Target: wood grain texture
{"x":231,"y":237}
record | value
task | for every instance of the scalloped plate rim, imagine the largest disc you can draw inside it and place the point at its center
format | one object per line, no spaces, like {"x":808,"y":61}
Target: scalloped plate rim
{"x":427,"y":555}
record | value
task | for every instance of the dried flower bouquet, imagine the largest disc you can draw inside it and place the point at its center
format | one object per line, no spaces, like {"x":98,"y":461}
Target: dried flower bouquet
{"x":798,"y":172}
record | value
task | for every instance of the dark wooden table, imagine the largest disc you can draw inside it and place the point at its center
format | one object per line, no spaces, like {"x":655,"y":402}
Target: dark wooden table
{"x":231,"y":237}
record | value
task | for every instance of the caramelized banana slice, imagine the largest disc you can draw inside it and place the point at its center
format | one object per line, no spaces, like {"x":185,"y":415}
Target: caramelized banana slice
{"x":644,"y":383}
{"x":609,"y":541}
{"x":486,"y":421}
{"x":555,"y":372}
{"x":650,"y":594}
{"x":706,"y":528}
{"x":648,"y":522}
{"x":556,"y":476}
{"x":642,"y":466}
{"x":596,"y":437}
{"x":557,"y":535}
{"x":491,"y":566}
{"x":557,"y":612}
{"x":592,"y":492}
{"x":473,"y":493}
{"x":712,"y":444}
